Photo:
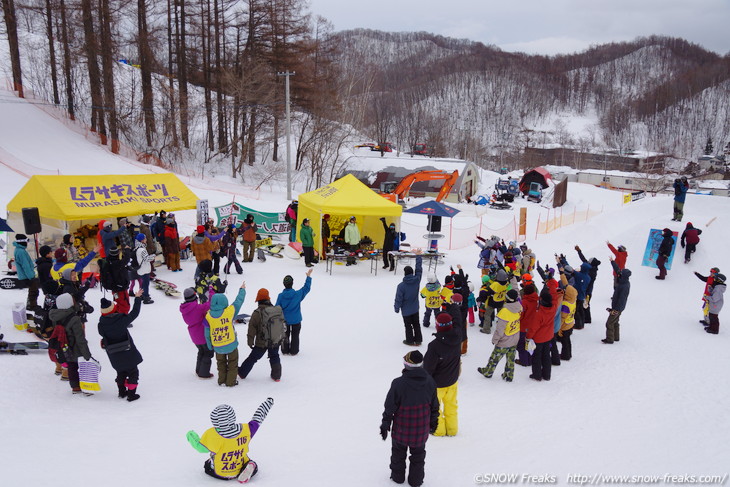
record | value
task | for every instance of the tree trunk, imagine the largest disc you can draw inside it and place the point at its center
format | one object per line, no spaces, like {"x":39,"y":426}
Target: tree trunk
{"x":182,"y":70}
{"x":107,"y":60}
{"x":205,"y":43}
{"x":171,"y":120}
{"x":220,"y":30}
{"x":67,"y":63}
{"x":52,"y":52}
{"x":145,"y":61}
{"x":92,"y":51}
{"x":11,"y":27}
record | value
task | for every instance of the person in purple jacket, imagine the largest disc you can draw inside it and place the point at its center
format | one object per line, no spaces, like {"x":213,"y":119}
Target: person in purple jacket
{"x":193,"y":314}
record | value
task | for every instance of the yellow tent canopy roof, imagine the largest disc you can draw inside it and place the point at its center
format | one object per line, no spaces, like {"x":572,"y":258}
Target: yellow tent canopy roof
{"x":98,"y":196}
{"x":349,"y":196}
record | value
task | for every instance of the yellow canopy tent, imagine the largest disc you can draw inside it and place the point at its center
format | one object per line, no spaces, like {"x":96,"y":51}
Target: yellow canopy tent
{"x":342,"y":199}
{"x":87,"y":199}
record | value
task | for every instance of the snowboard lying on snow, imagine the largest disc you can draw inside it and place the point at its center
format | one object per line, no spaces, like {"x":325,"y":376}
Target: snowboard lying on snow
{"x":169,"y":288}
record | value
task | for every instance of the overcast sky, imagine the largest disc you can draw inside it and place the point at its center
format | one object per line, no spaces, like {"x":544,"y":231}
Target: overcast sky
{"x":539,"y":26}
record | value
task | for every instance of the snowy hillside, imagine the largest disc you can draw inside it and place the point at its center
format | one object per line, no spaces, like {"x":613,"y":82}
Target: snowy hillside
{"x":653,"y":404}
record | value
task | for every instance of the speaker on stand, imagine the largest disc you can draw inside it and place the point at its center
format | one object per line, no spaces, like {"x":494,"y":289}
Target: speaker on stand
{"x":32,"y":224}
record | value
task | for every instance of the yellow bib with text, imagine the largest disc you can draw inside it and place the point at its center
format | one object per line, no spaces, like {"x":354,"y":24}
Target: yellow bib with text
{"x":512,"y":320}
{"x":229,"y":454}
{"x":222,"y":332}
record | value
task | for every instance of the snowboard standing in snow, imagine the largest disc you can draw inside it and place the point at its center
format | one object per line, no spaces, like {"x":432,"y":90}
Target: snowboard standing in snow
{"x":8,"y":283}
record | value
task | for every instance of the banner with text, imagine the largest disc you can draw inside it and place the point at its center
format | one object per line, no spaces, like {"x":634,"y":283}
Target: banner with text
{"x":269,"y":223}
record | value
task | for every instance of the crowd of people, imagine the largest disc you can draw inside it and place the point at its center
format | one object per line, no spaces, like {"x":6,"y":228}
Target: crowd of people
{"x":530,"y":325}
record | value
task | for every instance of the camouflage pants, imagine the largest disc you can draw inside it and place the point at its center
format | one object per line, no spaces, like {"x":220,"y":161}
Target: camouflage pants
{"x":497,"y":354}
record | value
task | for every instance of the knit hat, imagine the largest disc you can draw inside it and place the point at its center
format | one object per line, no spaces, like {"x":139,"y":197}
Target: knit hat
{"x":67,"y":239}
{"x":66,"y":273}
{"x":413,"y":359}
{"x":443,"y":322}
{"x":448,"y":279}
{"x":107,"y":223}
{"x":45,"y":250}
{"x":145,"y":219}
{"x":407,"y":270}
{"x":526,"y":279}
{"x":306,"y":220}
{"x":64,"y":301}
{"x":512,"y":296}
{"x":106,"y":306}
{"x":486,"y":278}
{"x":288,"y":282}
{"x":189,"y":294}
{"x":21,"y":238}
{"x":719,"y":279}
{"x":621,"y":248}
{"x":326,"y":216}
{"x":223,"y":418}
{"x":501,"y":276}
{"x":206,"y":266}
{"x":139,"y":237}
{"x":200,"y":229}
{"x":568,"y":269}
{"x":457,"y":298}
{"x":431,"y":278}
{"x":262,"y":295}
{"x":59,"y":255}
{"x":113,"y":251}
{"x":231,"y":226}
{"x":169,"y":221}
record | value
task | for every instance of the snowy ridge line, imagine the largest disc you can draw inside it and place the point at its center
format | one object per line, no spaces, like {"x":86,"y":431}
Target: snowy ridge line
{"x":131,"y":155}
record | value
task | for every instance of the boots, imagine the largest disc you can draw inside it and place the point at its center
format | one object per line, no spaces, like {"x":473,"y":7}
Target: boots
{"x":276,"y":372}
{"x":64,"y":374}
{"x":122,"y":390}
{"x":132,"y":392}
{"x":59,"y":369}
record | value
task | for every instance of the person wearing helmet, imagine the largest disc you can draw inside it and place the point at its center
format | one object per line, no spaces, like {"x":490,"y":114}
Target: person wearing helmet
{"x":715,"y":302}
{"x":431,"y":292}
{"x":708,"y":280}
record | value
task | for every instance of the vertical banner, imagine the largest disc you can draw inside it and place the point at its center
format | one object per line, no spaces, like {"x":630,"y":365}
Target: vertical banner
{"x":201,"y":211}
{"x":269,"y":223}
{"x":652,"y":249}
{"x":522,"y":232}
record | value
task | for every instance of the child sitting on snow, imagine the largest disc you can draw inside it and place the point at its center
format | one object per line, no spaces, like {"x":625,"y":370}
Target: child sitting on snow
{"x":228,"y":441}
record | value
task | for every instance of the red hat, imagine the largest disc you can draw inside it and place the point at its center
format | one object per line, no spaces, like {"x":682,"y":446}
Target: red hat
{"x":60,"y":255}
{"x":457,"y":298}
{"x":200,"y":229}
{"x":263,"y":295}
{"x":443,"y":322}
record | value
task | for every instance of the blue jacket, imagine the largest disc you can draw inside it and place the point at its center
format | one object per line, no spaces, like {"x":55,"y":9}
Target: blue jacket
{"x":108,"y":236}
{"x":406,"y":296}
{"x":23,"y":262}
{"x":77,"y":266}
{"x":680,"y":191}
{"x":291,"y":300}
{"x":218,"y":303}
{"x":582,"y":279}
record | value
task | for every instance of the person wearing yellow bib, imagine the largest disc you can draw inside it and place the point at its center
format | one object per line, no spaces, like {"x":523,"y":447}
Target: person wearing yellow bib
{"x":505,"y":337}
{"x":220,"y":335}
{"x":228,"y":443}
{"x":567,"y":319}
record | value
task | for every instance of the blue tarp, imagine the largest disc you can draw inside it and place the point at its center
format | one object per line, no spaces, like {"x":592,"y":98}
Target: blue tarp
{"x":4,"y":227}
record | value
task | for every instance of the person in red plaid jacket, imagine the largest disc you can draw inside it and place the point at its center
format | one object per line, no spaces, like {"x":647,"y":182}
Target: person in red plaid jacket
{"x":412,"y":408}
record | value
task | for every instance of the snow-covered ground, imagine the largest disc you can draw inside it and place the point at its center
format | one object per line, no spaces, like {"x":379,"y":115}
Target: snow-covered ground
{"x":653,"y":404}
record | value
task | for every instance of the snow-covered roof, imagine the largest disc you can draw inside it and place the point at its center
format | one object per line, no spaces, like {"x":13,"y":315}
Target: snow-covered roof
{"x":626,"y":174}
{"x":713,"y":184}
{"x":362,"y":160}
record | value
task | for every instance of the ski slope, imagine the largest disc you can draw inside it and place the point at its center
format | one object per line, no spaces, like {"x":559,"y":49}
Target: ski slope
{"x":653,"y":404}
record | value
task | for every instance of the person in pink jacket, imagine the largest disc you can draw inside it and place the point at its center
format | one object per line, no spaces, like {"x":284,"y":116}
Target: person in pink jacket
{"x":193,"y":314}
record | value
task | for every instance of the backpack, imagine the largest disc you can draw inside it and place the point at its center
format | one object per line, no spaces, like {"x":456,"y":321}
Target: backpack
{"x":273,"y":326}
{"x":105,"y":274}
{"x":58,"y":342}
{"x":134,"y":263}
